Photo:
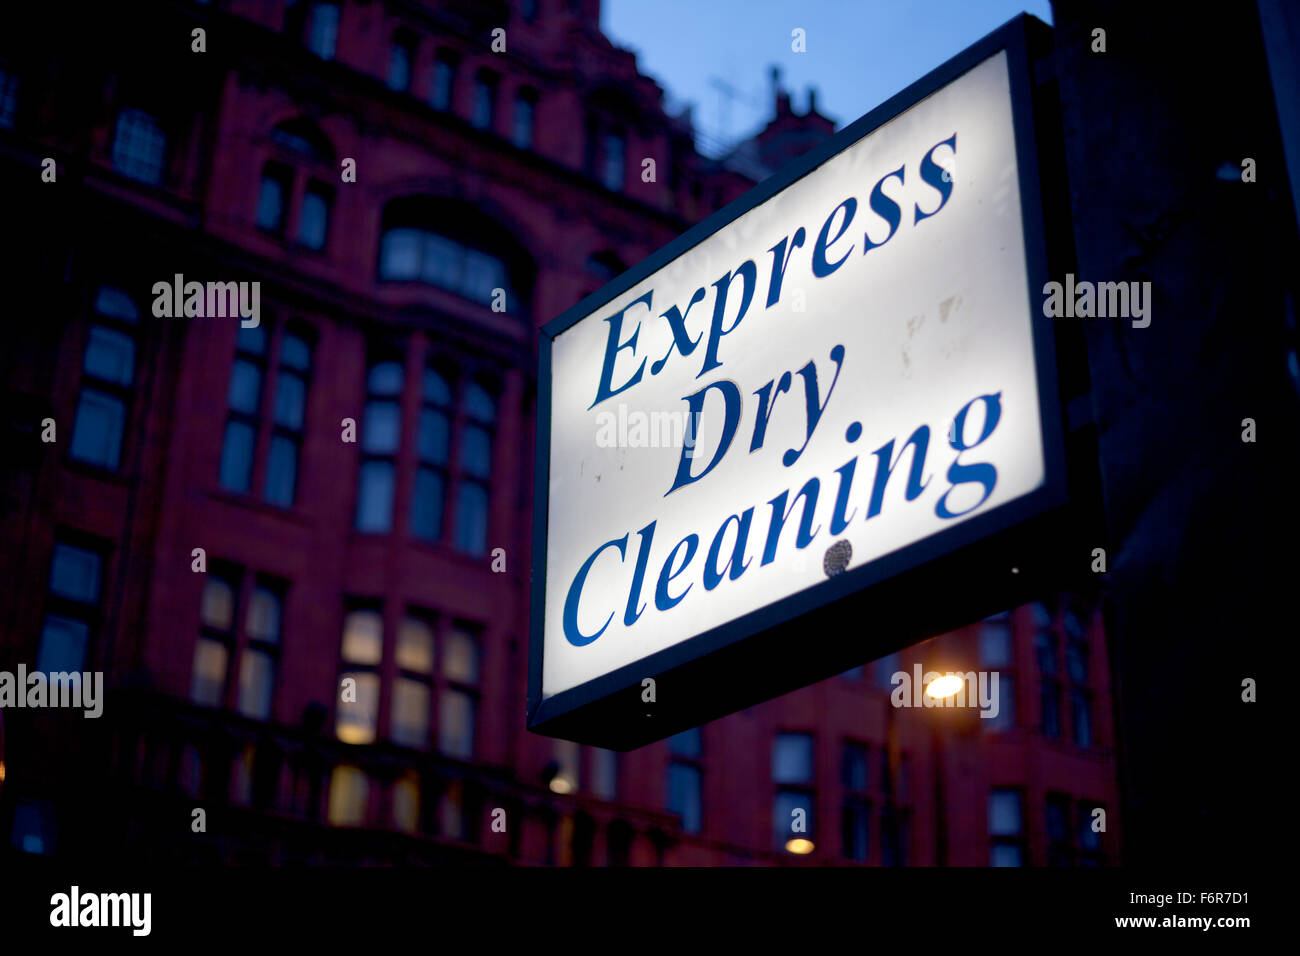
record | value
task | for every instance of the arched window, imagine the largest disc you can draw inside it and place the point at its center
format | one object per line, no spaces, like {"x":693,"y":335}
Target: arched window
{"x":304,"y":137}
{"x":299,"y":143}
{"x":453,"y":247}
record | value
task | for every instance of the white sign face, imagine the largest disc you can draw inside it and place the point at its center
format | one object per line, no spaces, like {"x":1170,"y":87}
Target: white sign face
{"x":858,"y":356}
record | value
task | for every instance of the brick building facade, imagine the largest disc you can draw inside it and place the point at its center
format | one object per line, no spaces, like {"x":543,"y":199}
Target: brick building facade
{"x":357,"y":469}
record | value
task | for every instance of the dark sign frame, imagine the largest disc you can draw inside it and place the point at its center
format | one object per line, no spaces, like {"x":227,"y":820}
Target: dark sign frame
{"x":943,"y":581}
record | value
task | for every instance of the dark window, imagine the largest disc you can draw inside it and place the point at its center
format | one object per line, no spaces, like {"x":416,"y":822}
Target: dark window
{"x":421,"y":255}
{"x":792,"y":807}
{"x":686,"y":779}
{"x":997,"y":652}
{"x":476,"y":469}
{"x":684,"y":795}
{"x":8,"y":98}
{"x":400,"y":57}
{"x":1046,"y":649}
{"x":1059,"y":837}
{"x":444,"y":81}
{"x":322,"y":32}
{"x":313,"y":220}
{"x":75,"y":584}
{"x":139,"y":146}
{"x":883,"y":671}
{"x":895,"y":836}
{"x":381,"y":435}
{"x":855,"y":829}
{"x":244,"y":400}
{"x":792,"y":758}
{"x":1089,"y":839}
{"x":1006,"y":828}
{"x":613,"y":160}
{"x":108,"y":371}
{"x":1081,"y":716}
{"x":688,"y":743}
{"x":792,"y":816}
{"x":273,"y":198}
{"x":288,"y":416}
{"x":522,"y":130}
{"x":853,"y":767}
{"x":485,"y":97}
{"x":431,"y":477}
{"x":855,"y":812}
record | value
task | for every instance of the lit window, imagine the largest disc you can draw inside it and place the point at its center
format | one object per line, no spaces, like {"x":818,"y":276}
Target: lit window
{"x":415,"y":646}
{"x":411,"y":701}
{"x":216,"y":640}
{"x":349,"y":796}
{"x":139,"y":147}
{"x":460,"y":657}
{"x":456,"y":724}
{"x":257,"y":669}
{"x":406,"y":802}
{"x":363,"y":639}
{"x":413,"y":686}
{"x":567,"y":777}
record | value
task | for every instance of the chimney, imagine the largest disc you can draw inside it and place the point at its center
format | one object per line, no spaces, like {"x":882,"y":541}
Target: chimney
{"x":812,"y":101}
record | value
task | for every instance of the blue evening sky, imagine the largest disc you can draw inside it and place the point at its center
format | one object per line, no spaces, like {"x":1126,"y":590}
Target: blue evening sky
{"x":859,"y":52}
